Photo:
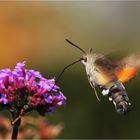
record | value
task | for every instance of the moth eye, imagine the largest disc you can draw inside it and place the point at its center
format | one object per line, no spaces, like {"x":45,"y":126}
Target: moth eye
{"x":85,"y":59}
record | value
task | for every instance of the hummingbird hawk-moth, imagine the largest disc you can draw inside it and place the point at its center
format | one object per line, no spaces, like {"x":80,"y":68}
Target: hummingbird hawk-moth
{"x":109,"y":76}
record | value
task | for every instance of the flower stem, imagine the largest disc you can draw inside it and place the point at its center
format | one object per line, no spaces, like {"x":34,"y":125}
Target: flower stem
{"x":15,"y":129}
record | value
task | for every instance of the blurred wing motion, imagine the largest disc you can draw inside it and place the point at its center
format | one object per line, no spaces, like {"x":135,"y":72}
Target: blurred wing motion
{"x":110,"y":77}
{"x":126,"y":74}
{"x":128,"y":68}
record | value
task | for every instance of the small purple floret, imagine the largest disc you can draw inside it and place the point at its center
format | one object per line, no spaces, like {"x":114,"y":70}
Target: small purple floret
{"x":28,"y":87}
{"x":3,"y":99}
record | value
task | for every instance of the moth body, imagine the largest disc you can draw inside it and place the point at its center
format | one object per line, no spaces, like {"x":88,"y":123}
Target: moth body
{"x":109,"y":76}
{"x":100,"y":73}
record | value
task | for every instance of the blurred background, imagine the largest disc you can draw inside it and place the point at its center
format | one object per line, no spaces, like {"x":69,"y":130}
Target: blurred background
{"x":35,"y":32}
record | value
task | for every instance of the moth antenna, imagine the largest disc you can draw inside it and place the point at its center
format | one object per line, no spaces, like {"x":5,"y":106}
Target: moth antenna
{"x":96,"y":94}
{"x":59,"y":76}
{"x":75,"y":46}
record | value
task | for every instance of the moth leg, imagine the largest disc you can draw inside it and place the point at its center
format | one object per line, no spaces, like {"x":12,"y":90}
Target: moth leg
{"x":92,"y":85}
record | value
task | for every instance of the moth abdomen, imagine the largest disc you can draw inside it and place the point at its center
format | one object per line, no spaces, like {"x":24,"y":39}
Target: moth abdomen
{"x":120,"y":98}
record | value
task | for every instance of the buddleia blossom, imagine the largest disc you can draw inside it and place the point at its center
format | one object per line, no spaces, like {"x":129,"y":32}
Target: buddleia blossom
{"x":24,"y":90}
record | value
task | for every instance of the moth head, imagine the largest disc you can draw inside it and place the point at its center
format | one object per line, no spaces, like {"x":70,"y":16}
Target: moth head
{"x":84,"y":59}
{"x":87,"y":58}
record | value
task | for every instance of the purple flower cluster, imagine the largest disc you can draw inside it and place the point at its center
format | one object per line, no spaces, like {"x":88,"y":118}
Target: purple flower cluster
{"x":20,"y":87}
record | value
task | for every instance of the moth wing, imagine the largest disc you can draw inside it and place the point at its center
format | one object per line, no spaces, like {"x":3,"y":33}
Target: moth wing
{"x":124,"y":69}
{"x":128,"y":67}
{"x":126,"y":74}
{"x":105,"y":68}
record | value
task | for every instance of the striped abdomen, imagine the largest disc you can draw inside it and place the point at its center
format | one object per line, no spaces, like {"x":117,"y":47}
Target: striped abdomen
{"x":118,"y":95}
